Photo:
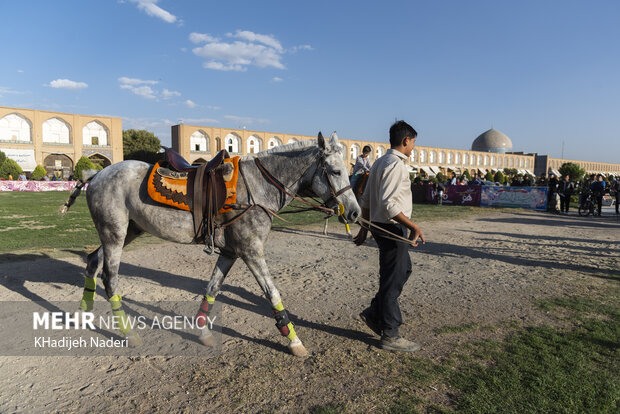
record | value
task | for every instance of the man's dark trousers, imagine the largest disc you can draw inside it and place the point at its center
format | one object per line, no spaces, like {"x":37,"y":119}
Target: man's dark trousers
{"x":564,"y":202}
{"x":394,"y":271}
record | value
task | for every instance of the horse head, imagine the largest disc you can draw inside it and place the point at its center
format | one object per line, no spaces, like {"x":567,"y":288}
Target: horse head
{"x":331,"y":179}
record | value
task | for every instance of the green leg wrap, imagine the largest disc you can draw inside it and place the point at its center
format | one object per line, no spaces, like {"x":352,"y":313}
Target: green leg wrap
{"x":88,"y":296}
{"x":292,"y":334}
{"x":284,"y":325}
{"x":119,"y":313}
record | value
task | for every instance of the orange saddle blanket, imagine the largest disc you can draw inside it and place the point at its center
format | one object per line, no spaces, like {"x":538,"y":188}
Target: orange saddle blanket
{"x":170,"y":187}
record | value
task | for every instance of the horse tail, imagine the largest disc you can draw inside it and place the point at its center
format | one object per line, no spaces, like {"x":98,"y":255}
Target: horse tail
{"x":87,"y":176}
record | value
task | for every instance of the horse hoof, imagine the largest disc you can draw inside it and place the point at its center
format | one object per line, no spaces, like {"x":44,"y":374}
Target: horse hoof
{"x":298,"y":350}
{"x":134,"y":340}
{"x":207,"y":338}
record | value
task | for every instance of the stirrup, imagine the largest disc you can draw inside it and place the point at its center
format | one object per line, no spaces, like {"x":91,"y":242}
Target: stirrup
{"x":209,"y":245}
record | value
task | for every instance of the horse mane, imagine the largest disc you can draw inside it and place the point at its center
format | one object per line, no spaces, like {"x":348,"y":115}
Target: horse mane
{"x":301,"y":145}
{"x":294,"y":146}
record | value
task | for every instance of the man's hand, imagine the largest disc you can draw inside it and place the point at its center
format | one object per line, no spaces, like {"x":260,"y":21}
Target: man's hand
{"x":415,"y":234}
{"x":361,"y":236}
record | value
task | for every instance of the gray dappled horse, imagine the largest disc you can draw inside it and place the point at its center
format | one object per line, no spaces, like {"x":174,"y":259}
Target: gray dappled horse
{"x":122,"y":210}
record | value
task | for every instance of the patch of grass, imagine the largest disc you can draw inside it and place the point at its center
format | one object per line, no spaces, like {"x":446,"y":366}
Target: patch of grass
{"x":406,"y":405}
{"x":457,"y":328}
{"x":328,"y":409}
{"x":423,"y":371}
{"x":581,"y":305}
{"x":30,"y":221}
{"x":536,"y":369}
{"x":421,"y":212}
{"x":544,"y":369}
{"x":301,"y":218}
{"x":432,"y":212}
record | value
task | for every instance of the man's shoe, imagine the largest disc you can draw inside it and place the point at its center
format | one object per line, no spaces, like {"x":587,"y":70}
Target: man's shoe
{"x":369,"y":321}
{"x":398,"y":343}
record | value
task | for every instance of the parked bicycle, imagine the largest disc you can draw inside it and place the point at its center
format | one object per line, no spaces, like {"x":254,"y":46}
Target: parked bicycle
{"x":586,"y":207}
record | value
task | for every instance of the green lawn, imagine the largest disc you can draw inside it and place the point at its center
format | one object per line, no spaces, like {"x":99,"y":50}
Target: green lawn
{"x":421,"y":212}
{"x":30,"y":221}
{"x":539,"y":369}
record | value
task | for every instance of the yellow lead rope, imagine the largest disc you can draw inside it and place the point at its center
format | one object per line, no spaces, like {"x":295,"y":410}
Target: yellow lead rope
{"x":395,"y":237}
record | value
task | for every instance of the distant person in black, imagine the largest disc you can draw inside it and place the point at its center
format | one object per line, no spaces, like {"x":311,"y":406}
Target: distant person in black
{"x":565,"y":189}
{"x":542,"y":181}
{"x":527,"y":181}
{"x":615,"y":186}
{"x":553,"y":189}
{"x":598,"y":190}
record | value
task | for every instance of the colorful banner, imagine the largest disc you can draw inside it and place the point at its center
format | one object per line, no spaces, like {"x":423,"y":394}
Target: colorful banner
{"x":534,"y":198}
{"x":37,"y":185}
{"x":462,"y":195}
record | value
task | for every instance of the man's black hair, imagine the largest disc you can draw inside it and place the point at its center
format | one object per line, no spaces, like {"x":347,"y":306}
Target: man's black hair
{"x":366,"y":148}
{"x":399,"y":131}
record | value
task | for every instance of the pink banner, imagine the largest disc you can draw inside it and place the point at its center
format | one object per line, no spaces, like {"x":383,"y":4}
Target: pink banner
{"x":37,"y":185}
{"x":462,"y":195}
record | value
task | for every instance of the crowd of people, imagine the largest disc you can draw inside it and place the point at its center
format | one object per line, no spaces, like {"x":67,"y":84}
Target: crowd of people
{"x":559,"y":194}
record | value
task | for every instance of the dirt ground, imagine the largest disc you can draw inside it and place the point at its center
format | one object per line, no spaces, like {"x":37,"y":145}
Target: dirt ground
{"x":487,"y":271}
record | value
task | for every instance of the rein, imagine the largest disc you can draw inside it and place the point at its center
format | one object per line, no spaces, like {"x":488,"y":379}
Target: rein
{"x":283,"y":189}
{"x":367,"y":224}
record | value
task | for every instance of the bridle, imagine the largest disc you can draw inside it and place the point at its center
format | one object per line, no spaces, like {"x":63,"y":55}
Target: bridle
{"x":332,"y":189}
{"x":323,"y":171}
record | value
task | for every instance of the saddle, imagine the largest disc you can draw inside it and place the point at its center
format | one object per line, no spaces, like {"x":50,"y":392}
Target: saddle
{"x":205,"y":190}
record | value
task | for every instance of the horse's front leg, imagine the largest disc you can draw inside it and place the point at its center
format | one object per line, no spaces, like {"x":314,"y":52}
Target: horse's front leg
{"x":257,"y":265}
{"x":222,"y":267}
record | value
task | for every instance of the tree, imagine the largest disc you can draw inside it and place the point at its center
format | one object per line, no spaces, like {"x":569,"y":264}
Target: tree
{"x":140,"y":145}
{"x":10,"y":167}
{"x":510,"y":172}
{"x":499,"y":177}
{"x":467,"y":175}
{"x":489,"y":176}
{"x":2,"y":157}
{"x":574,"y":171}
{"x":83,"y":164}
{"x":38,"y":173}
{"x":441,"y":178}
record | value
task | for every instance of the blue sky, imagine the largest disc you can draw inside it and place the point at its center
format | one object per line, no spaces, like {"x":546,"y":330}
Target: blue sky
{"x":542,"y":72}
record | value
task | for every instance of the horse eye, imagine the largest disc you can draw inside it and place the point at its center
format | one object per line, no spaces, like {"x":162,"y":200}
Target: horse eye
{"x":337,"y":172}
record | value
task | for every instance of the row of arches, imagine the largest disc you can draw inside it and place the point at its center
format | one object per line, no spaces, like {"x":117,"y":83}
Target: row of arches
{"x":588,"y":166}
{"x":355,"y":150}
{"x":16,"y":127}
{"x":478,"y":160}
{"x":200,"y":142}
{"x":61,"y":165}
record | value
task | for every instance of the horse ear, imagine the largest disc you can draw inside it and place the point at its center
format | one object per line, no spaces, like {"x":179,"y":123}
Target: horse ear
{"x":321,"y":140}
{"x":334,"y":139}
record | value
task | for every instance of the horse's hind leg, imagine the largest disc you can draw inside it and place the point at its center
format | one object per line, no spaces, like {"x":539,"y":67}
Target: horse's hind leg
{"x":113,"y":237}
{"x":222,"y":267}
{"x":257,"y":265}
{"x":94,"y":266}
